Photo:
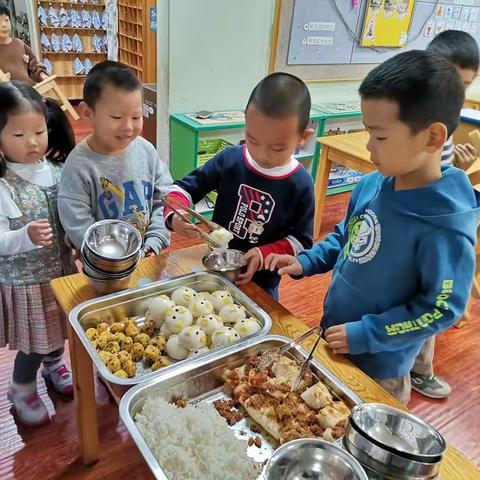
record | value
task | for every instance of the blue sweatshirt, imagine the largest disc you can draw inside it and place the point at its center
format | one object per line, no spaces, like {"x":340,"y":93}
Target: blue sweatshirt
{"x":403,"y":264}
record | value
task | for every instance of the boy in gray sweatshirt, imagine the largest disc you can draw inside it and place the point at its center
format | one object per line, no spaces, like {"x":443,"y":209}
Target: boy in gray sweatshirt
{"x":114,"y":173}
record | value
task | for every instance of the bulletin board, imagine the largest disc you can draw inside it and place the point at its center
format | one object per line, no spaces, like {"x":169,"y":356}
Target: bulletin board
{"x":387,"y":23}
{"x":321,"y":40}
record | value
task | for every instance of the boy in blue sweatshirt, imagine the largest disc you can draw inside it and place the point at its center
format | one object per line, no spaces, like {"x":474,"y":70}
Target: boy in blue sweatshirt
{"x":265,"y":196}
{"x":403,"y":258}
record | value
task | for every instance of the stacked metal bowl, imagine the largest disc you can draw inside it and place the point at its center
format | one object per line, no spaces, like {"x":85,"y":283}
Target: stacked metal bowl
{"x":110,"y":253}
{"x":392,"y":444}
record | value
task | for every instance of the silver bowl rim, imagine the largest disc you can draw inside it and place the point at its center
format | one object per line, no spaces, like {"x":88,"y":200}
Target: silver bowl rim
{"x":108,"y":279}
{"x":113,"y":221}
{"x":317,"y":442}
{"x":111,"y":275}
{"x":419,"y":457}
{"x":90,"y":254}
{"x":226,"y":269}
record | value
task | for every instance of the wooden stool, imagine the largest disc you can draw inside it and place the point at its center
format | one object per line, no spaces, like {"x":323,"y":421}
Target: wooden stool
{"x":47,"y":86}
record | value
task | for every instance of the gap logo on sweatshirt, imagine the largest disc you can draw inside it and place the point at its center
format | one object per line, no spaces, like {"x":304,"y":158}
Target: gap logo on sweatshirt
{"x":364,"y":237}
{"x":131,"y":207}
{"x":254,"y":211}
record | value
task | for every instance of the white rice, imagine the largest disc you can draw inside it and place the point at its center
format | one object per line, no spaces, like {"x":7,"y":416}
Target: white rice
{"x":194,"y":443}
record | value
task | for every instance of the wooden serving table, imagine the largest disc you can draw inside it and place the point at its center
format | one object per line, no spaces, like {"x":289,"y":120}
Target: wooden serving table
{"x":74,"y":289}
{"x":350,"y":150}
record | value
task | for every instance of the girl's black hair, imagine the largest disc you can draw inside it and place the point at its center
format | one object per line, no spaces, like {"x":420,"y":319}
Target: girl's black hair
{"x":16,"y":97}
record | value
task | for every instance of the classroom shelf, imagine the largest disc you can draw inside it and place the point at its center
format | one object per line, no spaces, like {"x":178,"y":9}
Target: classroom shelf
{"x":62,"y":62}
{"x":137,"y":42}
{"x":73,"y":29}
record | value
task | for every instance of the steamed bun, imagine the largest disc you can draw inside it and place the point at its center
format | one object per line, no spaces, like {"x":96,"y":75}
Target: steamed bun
{"x":200,"y":306}
{"x":192,"y":338}
{"x":177,"y":318}
{"x":183,"y":296}
{"x":157,"y":307}
{"x":224,"y":336}
{"x":246,"y":327}
{"x":209,"y":323}
{"x":175,"y":350}
{"x":220,"y":299}
{"x":232,"y":313}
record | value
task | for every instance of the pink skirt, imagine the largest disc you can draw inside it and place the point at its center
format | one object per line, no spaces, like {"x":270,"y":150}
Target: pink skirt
{"x":31,"y":319}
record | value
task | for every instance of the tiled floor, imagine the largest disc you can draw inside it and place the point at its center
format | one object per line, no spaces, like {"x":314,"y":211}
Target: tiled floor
{"x":50,"y":452}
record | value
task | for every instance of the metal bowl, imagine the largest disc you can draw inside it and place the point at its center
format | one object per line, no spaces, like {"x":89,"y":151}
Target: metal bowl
{"x":113,"y":240}
{"x":398,"y":432}
{"x":98,"y":275}
{"x":103,"y":287}
{"x":228,"y":263}
{"x":386,"y":464}
{"x":314,"y":459}
{"x":107,"y":267}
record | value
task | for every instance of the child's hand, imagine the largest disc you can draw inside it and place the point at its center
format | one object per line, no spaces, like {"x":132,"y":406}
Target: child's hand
{"x":465,"y":155}
{"x":40,"y":233}
{"x":286,"y":264}
{"x":183,"y":228}
{"x":252,"y":257}
{"x":336,"y":338}
{"x":26,"y":58}
{"x":148,"y":250}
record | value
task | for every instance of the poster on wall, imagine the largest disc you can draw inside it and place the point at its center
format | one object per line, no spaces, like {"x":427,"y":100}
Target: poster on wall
{"x":19,"y":18}
{"x":387,"y":23}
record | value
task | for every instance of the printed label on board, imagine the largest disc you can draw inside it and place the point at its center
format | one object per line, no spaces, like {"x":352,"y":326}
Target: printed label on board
{"x":320,"y":41}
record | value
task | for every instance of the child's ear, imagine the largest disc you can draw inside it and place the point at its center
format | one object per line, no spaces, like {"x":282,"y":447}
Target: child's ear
{"x":85,"y":110}
{"x":437,"y":136}
{"x":305,"y":136}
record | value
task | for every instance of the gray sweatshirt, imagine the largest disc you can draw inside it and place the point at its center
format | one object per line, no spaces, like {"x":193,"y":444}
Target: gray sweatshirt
{"x":126,"y":187}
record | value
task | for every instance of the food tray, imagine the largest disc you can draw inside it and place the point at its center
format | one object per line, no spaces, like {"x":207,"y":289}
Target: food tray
{"x":201,"y":381}
{"x":133,"y":303}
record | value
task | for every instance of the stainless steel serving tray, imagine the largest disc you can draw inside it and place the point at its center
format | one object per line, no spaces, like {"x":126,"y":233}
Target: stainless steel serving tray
{"x":201,"y":381}
{"x":133,"y":303}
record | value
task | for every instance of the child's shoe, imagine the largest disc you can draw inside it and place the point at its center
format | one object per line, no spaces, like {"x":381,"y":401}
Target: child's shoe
{"x":67,"y":44}
{"x":86,"y":19}
{"x":48,"y":66}
{"x":55,"y":41}
{"x":59,"y":376}
{"x":30,"y":409}
{"x":433,"y":387}
{"x":75,"y":19}
{"x":78,"y":67}
{"x":105,"y":20}
{"x":64,"y":18}
{"x":77,"y":43}
{"x":42,"y":15}
{"x":97,"y":23}
{"x":47,"y":46}
{"x":53,"y":16}
{"x":88,"y":65}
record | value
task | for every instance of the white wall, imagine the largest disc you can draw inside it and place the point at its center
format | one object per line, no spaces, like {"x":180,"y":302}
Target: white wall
{"x":219,"y":50}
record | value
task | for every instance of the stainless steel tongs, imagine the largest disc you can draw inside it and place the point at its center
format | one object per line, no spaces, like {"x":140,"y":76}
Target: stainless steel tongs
{"x":211,"y":225}
{"x":269,"y":356}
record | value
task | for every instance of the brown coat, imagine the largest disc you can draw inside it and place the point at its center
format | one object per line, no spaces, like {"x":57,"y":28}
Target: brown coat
{"x":11,"y":61}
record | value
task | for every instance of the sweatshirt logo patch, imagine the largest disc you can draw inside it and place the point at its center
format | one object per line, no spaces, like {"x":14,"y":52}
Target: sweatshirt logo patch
{"x":364,"y":237}
{"x":254,"y":211}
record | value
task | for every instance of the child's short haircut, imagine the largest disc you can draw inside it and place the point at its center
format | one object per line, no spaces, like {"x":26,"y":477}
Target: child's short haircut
{"x":107,"y":73}
{"x":458,"y":47}
{"x":425,"y":86}
{"x":4,"y":10}
{"x":282,"y":95}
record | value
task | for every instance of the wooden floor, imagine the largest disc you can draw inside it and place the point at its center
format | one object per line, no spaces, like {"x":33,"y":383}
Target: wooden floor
{"x":50,"y":452}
